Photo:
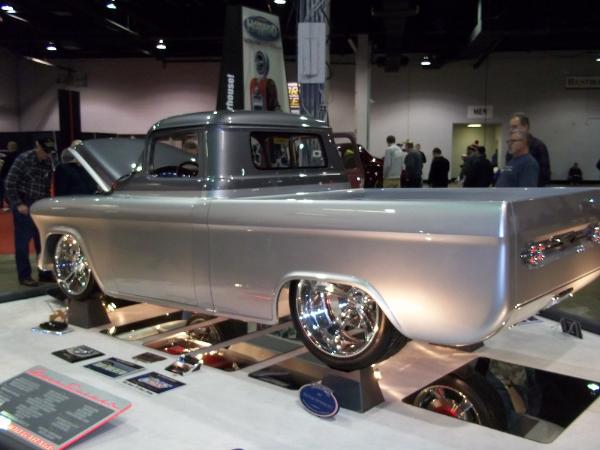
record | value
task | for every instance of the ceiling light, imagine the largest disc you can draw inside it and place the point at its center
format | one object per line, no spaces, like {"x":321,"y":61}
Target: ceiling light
{"x":161,"y":45}
{"x":474,"y":125}
{"x":598,"y":59}
{"x":8,"y":9}
{"x":39,"y":61}
{"x":279,"y":2}
{"x":425,"y":61}
{"x":51,"y":47}
{"x":111,"y":5}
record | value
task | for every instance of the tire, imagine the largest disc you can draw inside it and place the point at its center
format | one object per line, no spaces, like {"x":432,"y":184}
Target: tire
{"x":467,"y":397}
{"x":72,"y":269}
{"x":220,"y":332}
{"x":342,"y":325}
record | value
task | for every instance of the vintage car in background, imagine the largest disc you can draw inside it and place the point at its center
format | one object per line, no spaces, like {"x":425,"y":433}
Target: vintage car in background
{"x":234,"y":214}
{"x":362,"y":168}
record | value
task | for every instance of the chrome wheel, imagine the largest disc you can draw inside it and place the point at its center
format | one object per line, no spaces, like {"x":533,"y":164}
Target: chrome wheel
{"x":448,"y":401}
{"x":73,"y":272}
{"x":341,"y":321}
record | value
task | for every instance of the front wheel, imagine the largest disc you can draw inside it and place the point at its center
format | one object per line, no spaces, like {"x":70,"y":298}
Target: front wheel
{"x":73,"y":272}
{"x":342,"y":325}
{"x":467,"y":397}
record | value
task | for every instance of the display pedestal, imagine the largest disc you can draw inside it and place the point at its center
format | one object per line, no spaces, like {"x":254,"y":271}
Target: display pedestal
{"x":358,"y":390}
{"x":87,"y":313}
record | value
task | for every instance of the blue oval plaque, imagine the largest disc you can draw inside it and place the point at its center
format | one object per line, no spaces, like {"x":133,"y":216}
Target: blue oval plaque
{"x":319,"y":400}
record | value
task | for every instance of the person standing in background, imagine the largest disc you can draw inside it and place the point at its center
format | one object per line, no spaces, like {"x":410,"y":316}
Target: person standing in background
{"x":520,"y":122}
{"x":522,"y":170}
{"x":438,"y":172}
{"x":9,"y":158}
{"x":392,"y":164}
{"x":27,"y":181}
{"x":413,"y":162}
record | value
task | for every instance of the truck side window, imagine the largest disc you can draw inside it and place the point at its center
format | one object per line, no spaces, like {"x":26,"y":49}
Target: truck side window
{"x":176,"y":155}
{"x":274,"y":151}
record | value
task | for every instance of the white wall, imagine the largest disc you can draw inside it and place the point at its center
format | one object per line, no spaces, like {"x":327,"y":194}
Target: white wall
{"x":128,"y":95}
{"x":9,"y":108}
{"x":422,"y":104}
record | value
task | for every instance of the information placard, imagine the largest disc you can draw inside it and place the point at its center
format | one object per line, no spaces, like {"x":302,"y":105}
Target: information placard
{"x":44,"y":409}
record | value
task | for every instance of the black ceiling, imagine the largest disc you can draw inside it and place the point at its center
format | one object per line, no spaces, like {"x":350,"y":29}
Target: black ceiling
{"x":193,"y":29}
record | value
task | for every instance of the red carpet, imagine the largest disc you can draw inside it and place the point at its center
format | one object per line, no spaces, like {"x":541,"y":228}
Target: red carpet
{"x":7,"y":240}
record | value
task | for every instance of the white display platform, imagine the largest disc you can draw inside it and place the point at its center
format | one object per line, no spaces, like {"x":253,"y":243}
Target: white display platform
{"x":227,"y":410}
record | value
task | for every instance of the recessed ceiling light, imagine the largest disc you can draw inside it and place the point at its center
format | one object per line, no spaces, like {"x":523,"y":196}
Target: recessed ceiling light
{"x":8,"y":9}
{"x":425,"y":61}
{"x":280,"y":2}
{"x":111,"y":5}
{"x":474,"y":125}
{"x":51,"y":47}
{"x":161,"y":45}
{"x":598,"y":59}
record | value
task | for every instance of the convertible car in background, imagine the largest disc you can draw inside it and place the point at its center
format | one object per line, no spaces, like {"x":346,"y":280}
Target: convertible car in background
{"x":235,"y":213}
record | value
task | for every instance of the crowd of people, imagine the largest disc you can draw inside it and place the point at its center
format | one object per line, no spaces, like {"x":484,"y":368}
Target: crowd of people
{"x":527,"y":163}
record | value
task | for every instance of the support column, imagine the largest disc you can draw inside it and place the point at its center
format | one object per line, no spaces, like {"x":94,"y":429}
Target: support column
{"x":362,"y":90}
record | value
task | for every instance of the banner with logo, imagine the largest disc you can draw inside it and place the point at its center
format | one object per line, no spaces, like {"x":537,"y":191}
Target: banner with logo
{"x":252,"y":73}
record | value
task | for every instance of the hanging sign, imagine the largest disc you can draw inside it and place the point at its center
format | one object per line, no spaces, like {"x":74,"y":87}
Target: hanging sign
{"x":480,"y":112}
{"x":252,"y":75}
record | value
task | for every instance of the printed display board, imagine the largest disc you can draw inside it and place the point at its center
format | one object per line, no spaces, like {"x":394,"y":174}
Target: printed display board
{"x":252,"y":75}
{"x":47,"y":410}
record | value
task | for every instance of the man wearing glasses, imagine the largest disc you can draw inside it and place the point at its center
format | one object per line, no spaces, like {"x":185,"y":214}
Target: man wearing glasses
{"x":522,"y":170}
{"x":520,"y":122}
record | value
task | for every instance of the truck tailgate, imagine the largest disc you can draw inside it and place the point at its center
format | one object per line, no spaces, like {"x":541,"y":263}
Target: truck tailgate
{"x":556,"y":242}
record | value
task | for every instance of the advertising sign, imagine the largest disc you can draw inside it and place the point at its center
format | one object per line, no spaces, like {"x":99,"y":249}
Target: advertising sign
{"x":294,"y":97}
{"x":252,"y":75}
{"x":44,"y":409}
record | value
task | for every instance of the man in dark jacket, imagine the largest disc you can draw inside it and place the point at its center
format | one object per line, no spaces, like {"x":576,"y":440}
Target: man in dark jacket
{"x":413,"y":162}
{"x":27,"y":181}
{"x":479,"y":171}
{"x":9,"y":156}
{"x":537,"y":149}
{"x":438,"y":172}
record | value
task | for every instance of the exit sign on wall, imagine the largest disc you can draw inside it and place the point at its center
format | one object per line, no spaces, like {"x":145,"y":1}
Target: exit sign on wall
{"x":480,"y":112}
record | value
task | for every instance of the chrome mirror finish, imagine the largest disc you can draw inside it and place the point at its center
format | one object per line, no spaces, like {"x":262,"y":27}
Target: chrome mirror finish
{"x":448,"y":401}
{"x":340,"y":320}
{"x":73,"y":272}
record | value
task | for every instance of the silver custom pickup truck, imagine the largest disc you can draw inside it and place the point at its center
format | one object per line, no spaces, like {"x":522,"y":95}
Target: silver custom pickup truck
{"x":228,"y":213}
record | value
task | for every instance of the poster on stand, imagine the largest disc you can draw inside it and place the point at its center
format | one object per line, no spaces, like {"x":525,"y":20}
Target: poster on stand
{"x":252,"y":75}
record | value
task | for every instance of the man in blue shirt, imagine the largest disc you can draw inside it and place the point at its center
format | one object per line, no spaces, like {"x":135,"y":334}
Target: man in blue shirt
{"x":537,"y":149}
{"x":522,"y":170}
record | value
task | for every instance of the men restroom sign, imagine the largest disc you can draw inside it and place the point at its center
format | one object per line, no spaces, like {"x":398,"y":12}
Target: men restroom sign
{"x":480,"y":112}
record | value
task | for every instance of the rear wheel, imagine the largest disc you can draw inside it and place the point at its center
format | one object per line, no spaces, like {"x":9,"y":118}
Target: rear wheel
{"x":72,"y":269}
{"x":342,"y":325}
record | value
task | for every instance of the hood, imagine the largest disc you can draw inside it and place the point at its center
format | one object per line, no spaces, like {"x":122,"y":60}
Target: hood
{"x":107,"y":160}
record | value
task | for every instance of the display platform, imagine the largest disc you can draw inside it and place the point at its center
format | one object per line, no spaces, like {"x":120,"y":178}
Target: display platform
{"x":229,"y":409}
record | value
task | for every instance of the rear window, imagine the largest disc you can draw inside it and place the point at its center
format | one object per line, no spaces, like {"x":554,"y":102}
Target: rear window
{"x":275,"y":151}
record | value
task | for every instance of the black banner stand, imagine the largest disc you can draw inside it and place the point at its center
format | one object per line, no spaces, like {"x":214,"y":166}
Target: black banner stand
{"x":88,"y":313}
{"x":358,"y":390}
